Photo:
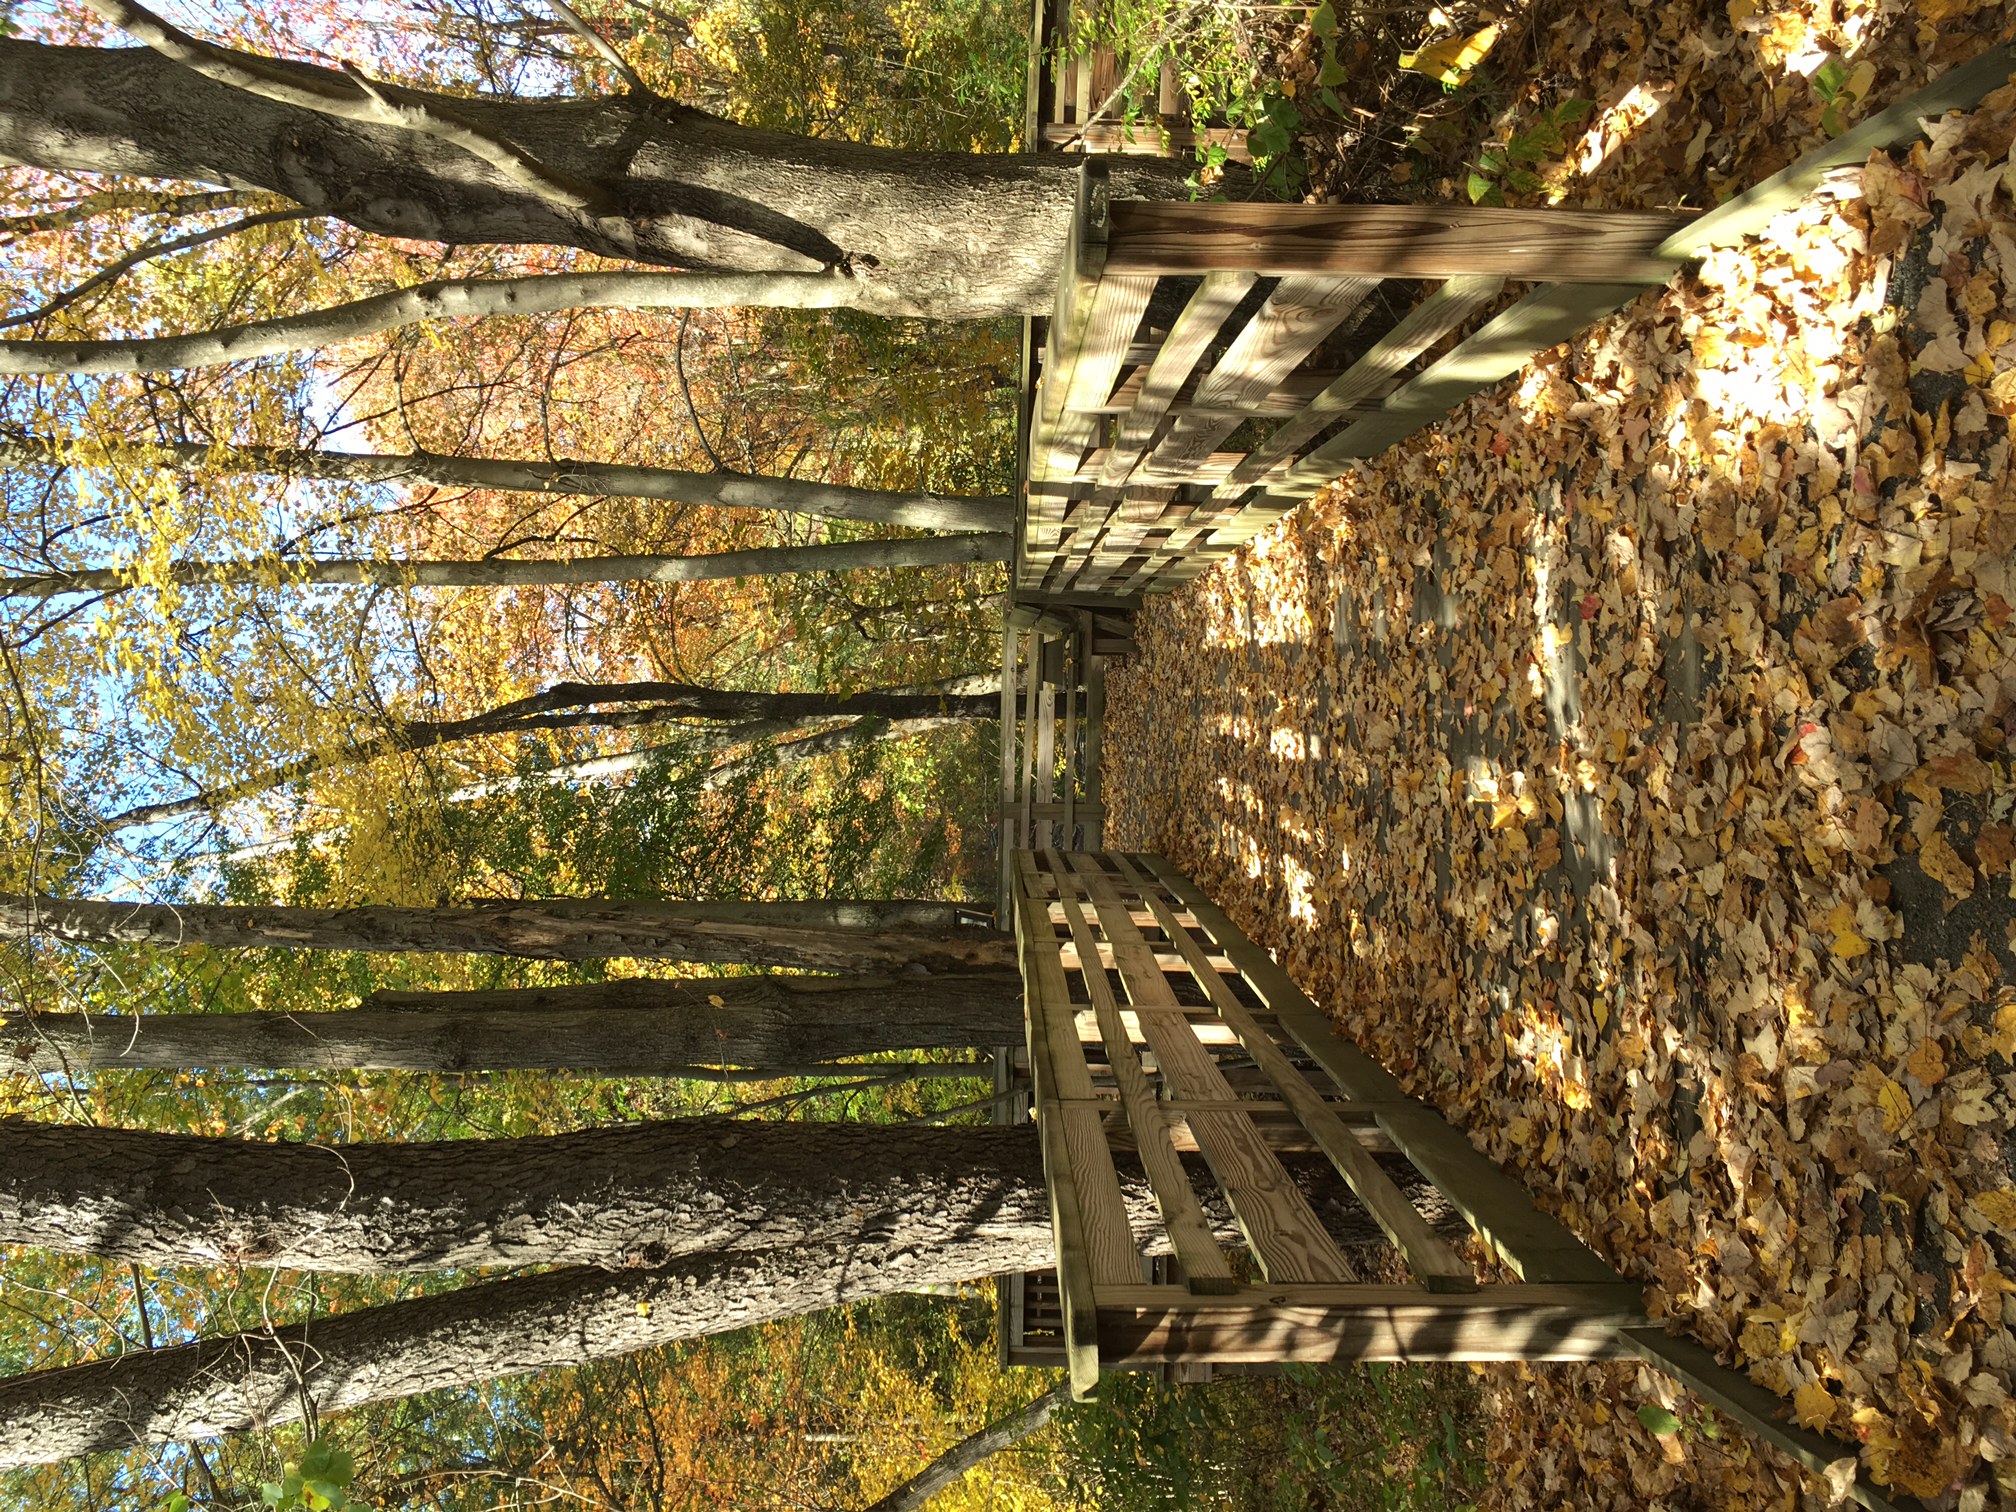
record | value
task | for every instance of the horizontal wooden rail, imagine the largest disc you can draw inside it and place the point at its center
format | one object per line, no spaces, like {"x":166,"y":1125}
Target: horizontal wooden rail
{"x":1393,"y":241}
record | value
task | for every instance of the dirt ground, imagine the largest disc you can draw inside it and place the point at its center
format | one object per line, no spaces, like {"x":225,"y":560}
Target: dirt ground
{"x":1627,"y":763}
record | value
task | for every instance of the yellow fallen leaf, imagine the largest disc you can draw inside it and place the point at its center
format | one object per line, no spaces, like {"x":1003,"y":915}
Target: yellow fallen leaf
{"x":1895,"y":1105}
{"x":1999,"y":1208}
{"x":715,"y":999}
{"x":1927,"y":1063}
{"x":1813,"y":1404}
{"x":1451,"y":60}
{"x":1850,"y":946}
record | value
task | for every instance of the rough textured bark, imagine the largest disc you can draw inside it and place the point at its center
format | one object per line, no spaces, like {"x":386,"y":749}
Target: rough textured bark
{"x":630,"y":1028}
{"x":935,"y":234}
{"x":507,"y":572}
{"x":621,"y":1197}
{"x":606,"y":479}
{"x":865,"y":938}
{"x":497,"y":1329}
{"x":573,"y":706}
{"x":970,"y":1451}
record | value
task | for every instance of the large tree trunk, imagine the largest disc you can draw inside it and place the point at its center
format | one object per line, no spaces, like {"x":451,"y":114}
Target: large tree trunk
{"x":935,"y":234}
{"x":512,"y":572}
{"x":864,"y":938}
{"x":614,"y":480}
{"x":502,"y":1328}
{"x":627,"y":1028}
{"x":622,"y":1198}
{"x":573,"y":706}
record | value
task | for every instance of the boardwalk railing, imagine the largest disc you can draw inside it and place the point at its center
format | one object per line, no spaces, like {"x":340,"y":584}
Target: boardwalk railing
{"x":1158,"y":1030}
{"x":1073,"y":90}
{"x":1177,"y":325}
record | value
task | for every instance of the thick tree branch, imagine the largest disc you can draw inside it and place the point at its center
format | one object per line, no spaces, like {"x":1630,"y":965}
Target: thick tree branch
{"x":726,"y":490}
{"x":864,"y":937}
{"x":573,"y":706}
{"x":315,"y":89}
{"x":638,"y":1027}
{"x":503,"y":572}
{"x":493,"y":1329}
{"x":620,"y":1197}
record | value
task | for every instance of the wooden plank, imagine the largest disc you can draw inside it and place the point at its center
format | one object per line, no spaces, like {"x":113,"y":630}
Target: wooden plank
{"x":1182,"y":1217}
{"x":1493,"y":1325}
{"x":1286,"y":329}
{"x":1763,"y":1412}
{"x":1005,"y":879}
{"x":1046,"y":755}
{"x":1427,"y":1252}
{"x":1082,"y":1199}
{"x":1367,"y":379}
{"x":1169,"y":136}
{"x":1393,"y":241}
{"x":1074,"y":671}
{"x":1618,"y":1300}
{"x":1095,"y":751}
{"x":1031,"y":650}
{"x":1194,"y":331}
{"x":1750,"y":212}
{"x":1537,"y":1247}
{"x":1283,"y":1231}
{"x":1546,"y":317}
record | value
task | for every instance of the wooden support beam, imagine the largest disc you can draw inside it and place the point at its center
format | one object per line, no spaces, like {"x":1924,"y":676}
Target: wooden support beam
{"x":1428,"y":1253}
{"x":1392,"y":241}
{"x":1365,"y":1323}
{"x":1282,"y":1230}
{"x":1182,"y":1217}
{"x":1537,"y":1248}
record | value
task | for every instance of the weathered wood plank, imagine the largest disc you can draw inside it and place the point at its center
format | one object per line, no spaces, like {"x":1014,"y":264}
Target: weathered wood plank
{"x":1427,"y":1252}
{"x":1282,"y":1229}
{"x":1538,"y":1248}
{"x":1005,"y":880}
{"x":1493,"y":1327}
{"x":1182,"y":1217}
{"x":1368,"y":378}
{"x":1393,"y":241}
{"x":1040,"y":976}
{"x":1546,"y":317}
{"x":1194,"y":331}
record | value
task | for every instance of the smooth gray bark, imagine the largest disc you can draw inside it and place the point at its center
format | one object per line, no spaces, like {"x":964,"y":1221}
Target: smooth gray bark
{"x":865,"y":938}
{"x":615,"y":480}
{"x":943,"y":235}
{"x":573,"y":706}
{"x":508,"y":572}
{"x":625,"y":1028}
{"x":619,"y":1197}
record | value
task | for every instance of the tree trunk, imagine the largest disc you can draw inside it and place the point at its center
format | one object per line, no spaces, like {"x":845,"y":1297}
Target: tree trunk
{"x":863,"y":938}
{"x":509,"y":572}
{"x":934,"y":234}
{"x":614,"y":480}
{"x":621,"y":1197}
{"x":502,"y":1328}
{"x":627,"y":1028}
{"x":575,"y":706}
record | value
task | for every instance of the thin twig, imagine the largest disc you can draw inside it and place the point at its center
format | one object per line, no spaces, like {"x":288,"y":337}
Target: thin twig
{"x":602,"y":46}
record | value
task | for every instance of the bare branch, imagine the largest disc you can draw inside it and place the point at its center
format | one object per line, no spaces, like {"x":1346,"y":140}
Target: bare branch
{"x":147,"y":253}
{"x":445,"y":299}
{"x":574,"y":23}
{"x":495,"y":572}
